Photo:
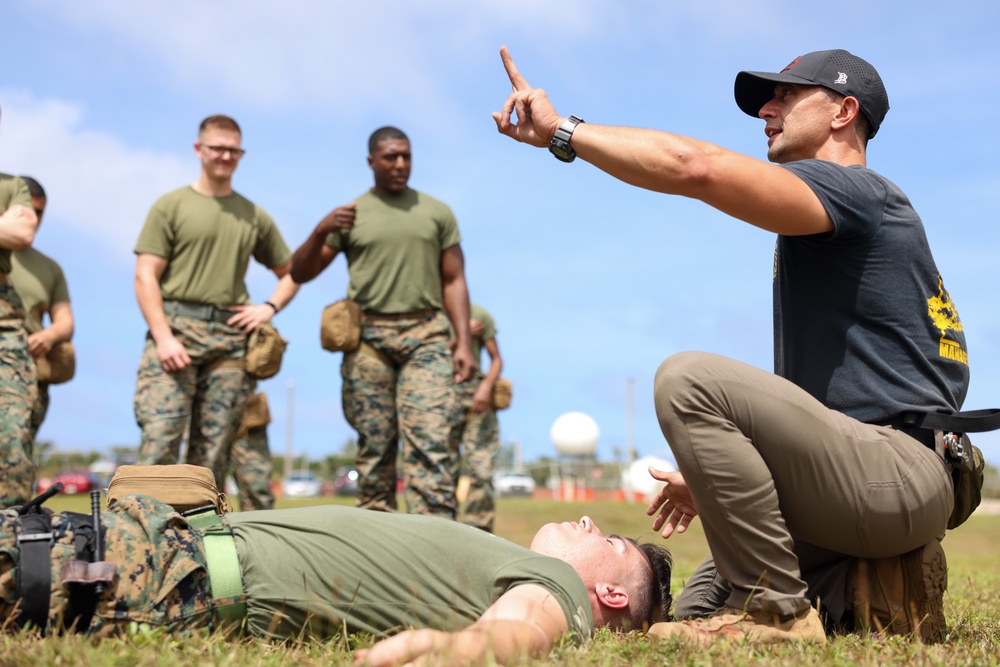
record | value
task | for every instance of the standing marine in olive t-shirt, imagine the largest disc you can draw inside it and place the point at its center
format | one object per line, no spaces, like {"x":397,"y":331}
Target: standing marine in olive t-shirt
{"x":41,"y":284}
{"x":406,"y":270}
{"x":18,"y":223}
{"x":193,"y":254}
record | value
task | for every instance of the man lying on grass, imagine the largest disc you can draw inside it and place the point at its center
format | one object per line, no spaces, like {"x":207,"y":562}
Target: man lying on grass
{"x":429,"y":587}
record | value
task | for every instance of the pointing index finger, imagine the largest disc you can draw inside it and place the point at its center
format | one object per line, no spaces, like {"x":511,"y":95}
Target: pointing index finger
{"x":517,"y":81}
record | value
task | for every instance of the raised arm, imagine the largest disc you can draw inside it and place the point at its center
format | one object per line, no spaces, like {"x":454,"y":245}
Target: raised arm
{"x":526,"y":621}
{"x":18,"y":225}
{"x":314,"y":254}
{"x":760,"y":193}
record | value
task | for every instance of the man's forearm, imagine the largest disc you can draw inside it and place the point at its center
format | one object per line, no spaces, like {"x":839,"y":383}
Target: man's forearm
{"x":151,"y":304}
{"x":455,"y":294}
{"x":307,"y":262}
{"x":284,"y":292}
{"x":61,"y":329}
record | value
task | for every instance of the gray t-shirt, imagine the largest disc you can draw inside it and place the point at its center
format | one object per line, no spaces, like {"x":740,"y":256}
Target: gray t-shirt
{"x":862,"y":320}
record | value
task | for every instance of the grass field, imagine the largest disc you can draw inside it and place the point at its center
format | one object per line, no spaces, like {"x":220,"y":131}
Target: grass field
{"x":972,"y":605}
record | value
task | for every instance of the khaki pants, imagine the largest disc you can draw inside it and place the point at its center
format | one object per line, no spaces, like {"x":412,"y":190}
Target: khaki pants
{"x":785,"y":485}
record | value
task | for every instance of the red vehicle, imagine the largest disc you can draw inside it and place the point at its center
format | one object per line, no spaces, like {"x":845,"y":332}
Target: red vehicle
{"x":73,"y":481}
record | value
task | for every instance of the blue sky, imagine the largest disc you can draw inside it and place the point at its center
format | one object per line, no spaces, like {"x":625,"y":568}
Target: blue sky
{"x":592,"y":283}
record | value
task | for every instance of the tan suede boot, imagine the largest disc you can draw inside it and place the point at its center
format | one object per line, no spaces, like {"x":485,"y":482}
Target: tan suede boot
{"x":901,"y":595}
{"x":731,"y":624}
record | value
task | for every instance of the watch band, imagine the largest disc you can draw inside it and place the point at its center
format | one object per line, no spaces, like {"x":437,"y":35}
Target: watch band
{"x":560,"y":146}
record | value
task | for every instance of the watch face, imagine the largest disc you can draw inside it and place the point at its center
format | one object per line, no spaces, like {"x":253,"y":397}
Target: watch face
{"x":562,"y":150}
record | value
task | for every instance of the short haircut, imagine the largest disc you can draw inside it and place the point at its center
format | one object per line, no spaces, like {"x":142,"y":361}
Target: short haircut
{"x":221,"y":122}
{"x":650,"y":599}
{"x":34,"y":187}
{"x":383,"y":133}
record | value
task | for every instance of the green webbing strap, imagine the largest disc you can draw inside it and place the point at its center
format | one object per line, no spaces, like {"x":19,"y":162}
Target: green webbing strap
{"x":223,"y":565}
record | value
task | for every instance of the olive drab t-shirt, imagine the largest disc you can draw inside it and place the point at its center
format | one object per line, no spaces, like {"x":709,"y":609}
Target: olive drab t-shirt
{"x":394,"y":251}
{"x":208,"y":242}
{"x":40,"y":282}
{"x":331,"y":567}
{"x":13,"y":190}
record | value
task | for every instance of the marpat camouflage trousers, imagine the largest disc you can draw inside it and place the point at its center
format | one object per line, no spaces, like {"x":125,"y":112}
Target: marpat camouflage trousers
{"x":399,"y":386}
{"x":475,"y":439}
{"x":39,"y":409}
{"x":18,"y":388}
{"x":251,"y":464}
{"x":207,"y":398}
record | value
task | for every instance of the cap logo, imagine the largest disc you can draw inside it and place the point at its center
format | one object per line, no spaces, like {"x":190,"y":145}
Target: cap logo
{"x":841,"y":78}
{"x":791,"y":65}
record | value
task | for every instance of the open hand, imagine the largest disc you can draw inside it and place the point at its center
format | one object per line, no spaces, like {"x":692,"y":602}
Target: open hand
{"x":673,"y":506}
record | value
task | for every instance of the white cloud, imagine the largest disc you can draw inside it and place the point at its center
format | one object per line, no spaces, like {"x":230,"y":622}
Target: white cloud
{"x":105,"y":187}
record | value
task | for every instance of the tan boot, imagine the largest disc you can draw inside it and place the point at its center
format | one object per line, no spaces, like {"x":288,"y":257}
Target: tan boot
{"x":756,"y":627}
{"x":901,"y":595}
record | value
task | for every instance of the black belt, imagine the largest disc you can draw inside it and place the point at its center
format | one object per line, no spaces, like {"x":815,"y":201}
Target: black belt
{"x":205,"y":312}
{"x":970,"y":421}
{"x":921,"y":435}
{"x":393,"y":317}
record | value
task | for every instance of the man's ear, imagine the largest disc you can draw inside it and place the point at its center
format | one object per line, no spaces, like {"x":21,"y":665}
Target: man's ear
{"x":849,"y":110}
{"x":612,"y":596}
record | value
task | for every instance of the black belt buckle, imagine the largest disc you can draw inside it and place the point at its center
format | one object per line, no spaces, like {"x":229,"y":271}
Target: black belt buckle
{"x":956,"y":453}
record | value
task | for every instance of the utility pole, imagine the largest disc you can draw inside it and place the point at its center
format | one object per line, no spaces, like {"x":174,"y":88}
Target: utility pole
{"x":629,"y":444}
{"x":289,"y":428}
{"x":629,"y":416}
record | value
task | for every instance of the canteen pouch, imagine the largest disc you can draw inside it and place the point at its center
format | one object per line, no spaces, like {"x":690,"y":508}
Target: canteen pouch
{"x":967,"y":477}
{"x":59,"y":365}
{"x":257,"y":414}
{"x":182,"y":486}
{"x":340,"y":326}
{"x":502,"y":391}
{"x":265,"y":347}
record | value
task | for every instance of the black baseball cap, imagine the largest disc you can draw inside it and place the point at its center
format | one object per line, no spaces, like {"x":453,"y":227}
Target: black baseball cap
{"x":837,"y":70}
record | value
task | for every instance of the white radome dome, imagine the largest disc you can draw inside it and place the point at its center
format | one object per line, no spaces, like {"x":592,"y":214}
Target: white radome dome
{"x":575,"y":434}
{"x":637,"y":478}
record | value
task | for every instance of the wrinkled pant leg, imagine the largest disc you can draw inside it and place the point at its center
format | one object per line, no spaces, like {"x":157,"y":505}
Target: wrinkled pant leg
{"x":162,"y":408}
{"x":219,"y":404}
{"x":480,"y":445}
{"x":39,"y":410}
{"x":426,"y":405}
{"x":252,"y":466}
{"x":766,"y":461}
{"x":703,"y":594}
{"x":369,"y":401}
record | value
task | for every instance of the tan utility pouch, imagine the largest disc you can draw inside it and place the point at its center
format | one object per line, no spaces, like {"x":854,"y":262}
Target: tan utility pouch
{"x":182,"y":486}
{"x":502,"y":391}
{"x":265,"y":347}
{"x":340,"y":326}
{"x":59,"y":365}
{"x":257,"y":414}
